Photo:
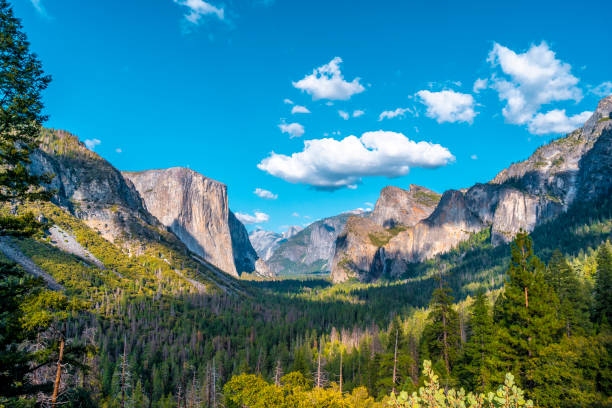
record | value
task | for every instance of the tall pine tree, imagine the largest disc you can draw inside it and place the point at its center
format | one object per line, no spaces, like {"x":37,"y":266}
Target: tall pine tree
{"x":602,"y":310}
{"x":526,"y":315}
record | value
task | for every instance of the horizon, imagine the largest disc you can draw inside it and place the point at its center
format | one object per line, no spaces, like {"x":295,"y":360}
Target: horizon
{"x":476,"y":104}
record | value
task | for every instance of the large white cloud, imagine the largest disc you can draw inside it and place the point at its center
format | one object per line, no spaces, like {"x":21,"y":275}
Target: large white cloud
{"x":529,"y":80}
{"x":268,"y":195}
{"x":293,"y":129}
{"x":327,"y":82}
{"x":393,"y":114}
{"x":331,"y":164}
{"x":556,"y":121}
{"x":199,"y":9}
{"x":448,"y":106}
{"x":256,"y":218}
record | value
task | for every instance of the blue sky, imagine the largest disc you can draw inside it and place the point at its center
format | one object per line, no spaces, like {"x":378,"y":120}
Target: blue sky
{"x":442,"y":94}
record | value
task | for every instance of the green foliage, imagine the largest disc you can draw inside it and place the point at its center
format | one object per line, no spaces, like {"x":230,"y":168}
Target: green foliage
{"x":602,"y":312}
{"x":431,"y":395}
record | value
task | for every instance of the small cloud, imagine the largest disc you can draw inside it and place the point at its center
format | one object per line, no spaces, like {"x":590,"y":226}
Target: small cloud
{"x":352,"y":186}
{"x":118,"y":150}
{"x":448,"y":106}
{"x":357,"y":113}
{"x":198,"y":9}
{"x":480,"y":84}
{"x":256,"y":218}
{"x":299,"y":109}
{"x":457,"y":83}
{"x":392,"y":114}
{"x":268,"y":195}
{"x":344,"y":115}
{"x":329,"y":103}
{"x":295,"y":214}
{"x":603,"y":89}
{"x":38,"y":6}
{"x":327,"y":82}
{"x":474,"y":157}
{"x":293,"y":129}
{"x":92,"y":143}
{"x":308,"y":217}
{"x":288,"y":101}
{"x":369,"y":204}
{"x":556,"y":121}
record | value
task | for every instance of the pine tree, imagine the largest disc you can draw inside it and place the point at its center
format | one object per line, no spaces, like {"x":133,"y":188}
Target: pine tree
{"x":475,"y":367}
{"x":602,"y":310}
{"x":573,"y":299}
{"x":441,"y":337}
{"x":526,"y":315}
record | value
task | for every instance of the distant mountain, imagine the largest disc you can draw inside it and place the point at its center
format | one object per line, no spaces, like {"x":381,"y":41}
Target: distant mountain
{"x":577,"y":167}
{"x":311,"y":250}
{"x":266,"y":242}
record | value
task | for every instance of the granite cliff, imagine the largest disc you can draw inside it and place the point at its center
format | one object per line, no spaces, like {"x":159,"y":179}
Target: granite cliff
{"x":577,"y":167}
{"x":195,"y":208}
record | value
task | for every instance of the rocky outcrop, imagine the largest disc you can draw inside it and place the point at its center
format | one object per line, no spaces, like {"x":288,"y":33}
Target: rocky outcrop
{"x":359,"y":248}
{"x":397,"y":206}
{"x":577,"y":167}
{"x":195,"y":208}
{"x":309,"y":251}
{"x":94,"y":191}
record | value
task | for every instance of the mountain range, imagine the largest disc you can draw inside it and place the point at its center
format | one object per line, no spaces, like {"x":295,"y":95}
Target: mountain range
{"x":189,"y":212}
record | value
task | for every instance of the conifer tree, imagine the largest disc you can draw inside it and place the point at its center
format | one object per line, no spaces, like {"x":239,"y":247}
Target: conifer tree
{"x":602,"y":311}
{"x":441,"y":338}
{"x":573,"y":299}
{"x":525,"y":314}
{"x":475,"y":371}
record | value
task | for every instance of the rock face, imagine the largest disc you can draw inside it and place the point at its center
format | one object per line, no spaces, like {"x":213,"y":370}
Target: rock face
{"x":577,"y":167}
{"x":266,"y":242}
{"x":93,"y":190}
{"x":359,"y":252}
{"x":309,"y":251}
{"x":396,"y":206}
{"x":195,"y":208}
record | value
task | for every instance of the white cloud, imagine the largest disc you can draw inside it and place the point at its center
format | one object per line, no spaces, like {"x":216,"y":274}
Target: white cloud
{"x":358,"y":112}
{"x":327,"y":82}
{"x":268,"y":195}
{"x":344,"y":115}
{"x":295,"y":214}
{"x":293,"y":129}
{"x":288,"y":101}
{"x":92,"y":143}
{"x":480,"y":84}
{"x":331,"y":164}
{"x":556,"y":121}
{"x":118,"y":150}
{"x":448,"y":106}
{"x":257,"y":218}
{"x":299,"y":109}
{"x":603,"y":89}
{"x":530,"y":80}
{"x":199,"y":9}
{"x":394,"y":113}
{"x":369,"y":204}
{"x":474,"y":157}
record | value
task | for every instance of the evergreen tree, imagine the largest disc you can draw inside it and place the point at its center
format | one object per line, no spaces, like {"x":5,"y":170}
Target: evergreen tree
{"x":441,"y":340}
{"x":475,"y":367}
{"x":602,"y":311}
{"x":21,"y":82}
{"x":526,"y":315}
{"x":573,"y":299}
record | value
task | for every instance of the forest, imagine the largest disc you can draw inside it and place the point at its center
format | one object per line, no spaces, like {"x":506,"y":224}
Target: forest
{"x":523,"y":324}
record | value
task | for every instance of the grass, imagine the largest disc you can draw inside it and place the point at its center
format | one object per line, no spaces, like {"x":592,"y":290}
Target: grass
{"x":428,"y":199}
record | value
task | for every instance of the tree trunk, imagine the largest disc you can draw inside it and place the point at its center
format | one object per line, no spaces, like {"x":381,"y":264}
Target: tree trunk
{"x":58,"y":374}
{"x":395,"y":362}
